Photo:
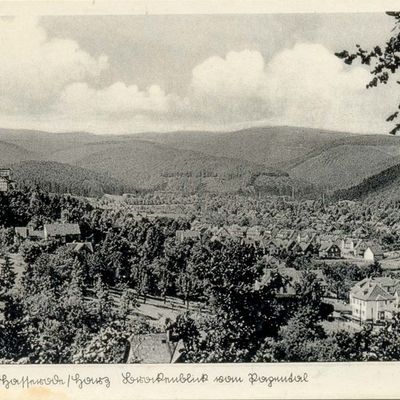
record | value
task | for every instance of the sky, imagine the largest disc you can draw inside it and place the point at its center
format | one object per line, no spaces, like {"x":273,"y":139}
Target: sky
{"x":127,"y":74}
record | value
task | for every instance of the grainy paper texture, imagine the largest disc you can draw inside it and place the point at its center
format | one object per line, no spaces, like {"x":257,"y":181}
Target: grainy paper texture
{"x":184,"y":104}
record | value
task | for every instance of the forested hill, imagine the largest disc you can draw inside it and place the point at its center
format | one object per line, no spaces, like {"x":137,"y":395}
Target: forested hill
{"x":63,"y":178}
{"x":10,"y":152}
{"x":267,"y":160}
{"x":385,"y":184}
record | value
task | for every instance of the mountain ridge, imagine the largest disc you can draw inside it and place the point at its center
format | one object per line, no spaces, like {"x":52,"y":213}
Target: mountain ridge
{"x":228,"y":161}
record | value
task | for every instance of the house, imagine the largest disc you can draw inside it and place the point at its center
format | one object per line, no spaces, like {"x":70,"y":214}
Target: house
{"x":329,"y":238}
{"x":236,"y":231}
{"x":278,"y":245}
{"x":21,"y":232}
{"x":285,"y":234}
{"x":36,"y":234}
{"x":219,"y":234}
{"x":64,"y":232}
{"x":256,"y":230}
{"x":319,"y":274}
{"x":293,"y":277}
{"x":371,"y":298}
{"x":26,"y":232}
{"x":347,"y":248}
{"x":360,"y":247}
{"x":250,"y":242}
{"x":304,"y":248}
{"x":81,"y":247}
{"x":270,"y":247}
{"x":5,"y":179}
{"x":328,"y":249}
{"x":306,"y":236}
{"x":154,"y":348}
{"x":373,"y":252}
{"x":255,"y":233}
{"x":188,"y":234}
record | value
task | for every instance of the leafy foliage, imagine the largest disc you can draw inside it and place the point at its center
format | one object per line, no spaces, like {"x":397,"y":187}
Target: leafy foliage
{"x":384,"y":61}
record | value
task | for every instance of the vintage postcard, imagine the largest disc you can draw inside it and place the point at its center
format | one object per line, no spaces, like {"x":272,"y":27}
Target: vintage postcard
{"x":199,"y":200}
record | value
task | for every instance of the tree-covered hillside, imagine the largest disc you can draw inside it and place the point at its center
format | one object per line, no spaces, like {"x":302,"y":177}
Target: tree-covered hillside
{"x":64,"y":178}
{"x":386,"y":184}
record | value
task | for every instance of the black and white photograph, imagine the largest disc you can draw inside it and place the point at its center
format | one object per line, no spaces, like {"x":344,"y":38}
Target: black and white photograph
{"x":200,"y":188}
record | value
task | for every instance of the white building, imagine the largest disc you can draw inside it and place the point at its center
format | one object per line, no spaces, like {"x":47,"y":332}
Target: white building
{"x":5,"y":179}
{"x":373,"y":252}
{"x":372,"y":298}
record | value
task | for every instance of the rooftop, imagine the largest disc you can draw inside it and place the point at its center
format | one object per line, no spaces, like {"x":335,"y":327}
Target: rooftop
{"x":370,"y":289}
{"x":62,"y":229}
{"x":153,"y":348}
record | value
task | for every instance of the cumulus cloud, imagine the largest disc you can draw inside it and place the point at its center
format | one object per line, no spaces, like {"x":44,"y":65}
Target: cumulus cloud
{"x":304,"y":85}
{"x":34,"y":68}
{"x":239,"y":74}
{"x":308,"y":85}
{"x":52,"y":82}
{"x":45,"y":79}
{"x":229,"y":88}
{"x":117,"y":99}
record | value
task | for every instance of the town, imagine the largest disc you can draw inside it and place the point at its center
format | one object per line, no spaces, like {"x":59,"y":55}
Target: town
{"x":157,"y":266}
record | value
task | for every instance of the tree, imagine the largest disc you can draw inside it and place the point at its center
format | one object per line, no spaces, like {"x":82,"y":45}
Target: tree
{"x":374,"y":270}
{"x":103,"y":303}
{"x":107,"y":346}
{"x":384,"y":62}
{"x":296,"y":340}
{"x":7,"y":274}
{"x":385,"y":343}
{"x":127,"y":303}
{"x":302,"y":338}
{"x":185,"y":328}
{"x":14,"y":343}
{"x":241,"y":315}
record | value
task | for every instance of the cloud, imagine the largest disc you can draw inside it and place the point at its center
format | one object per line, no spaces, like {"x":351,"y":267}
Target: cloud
{"x":229,"y":88}
{"x":239,"y":74}
{"x":117,"y":99}
{"x":53,"y":83}
{"x":305,"y":85}
{"x":34,"y":68}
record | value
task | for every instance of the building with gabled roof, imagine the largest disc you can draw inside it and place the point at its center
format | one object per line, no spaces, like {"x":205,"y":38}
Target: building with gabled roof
{"x":154,"y":348}
{"x":81,"y":247}
{"x":347,"y":247}
{"x":285,"y":234}
{"x":27,"y":232}
{"x":359,"y":248}
{"x":236,"y":231}
{"x":329,"y":250}
{"x":307,"y":235}
{"x":269,"y":246}
{"x":255,"y":234}
{"x":64,"y":232}
{"x":372,"y":297}
{"x":304,"y":248}
{"x":21,"y":231}
{"x":187,"y":234}
{"x":373,"y":252}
